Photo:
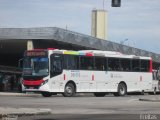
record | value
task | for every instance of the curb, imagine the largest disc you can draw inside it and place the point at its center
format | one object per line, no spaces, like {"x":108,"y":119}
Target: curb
{"x":150,"y":100}
{"x":15,"y":113}
{"x":18,"y":94}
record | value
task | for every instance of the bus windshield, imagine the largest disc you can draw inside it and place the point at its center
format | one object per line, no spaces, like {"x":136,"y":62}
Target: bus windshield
{"x":35,"y":66}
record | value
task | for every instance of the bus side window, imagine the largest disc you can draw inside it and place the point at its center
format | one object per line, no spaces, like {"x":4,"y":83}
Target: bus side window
{"x":100,"y":63}
{"x":110,"y":68}
{"x":125,"y":64}
{"x":145,"y":64}
{"x":136,"y":65}
{"x":113,"y":64}
{"x":71,"y":62}
{"x":86,"y":63}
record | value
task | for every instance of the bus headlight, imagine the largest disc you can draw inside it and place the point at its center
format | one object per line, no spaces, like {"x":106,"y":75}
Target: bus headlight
{"x":44,"y":82}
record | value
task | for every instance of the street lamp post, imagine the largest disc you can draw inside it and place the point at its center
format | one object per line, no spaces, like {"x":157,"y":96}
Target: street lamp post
{"x":103,"y":4}
{"x":123,"y":41}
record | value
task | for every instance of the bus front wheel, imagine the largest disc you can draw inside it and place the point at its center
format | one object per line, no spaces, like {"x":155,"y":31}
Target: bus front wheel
{"x":69,"y":90}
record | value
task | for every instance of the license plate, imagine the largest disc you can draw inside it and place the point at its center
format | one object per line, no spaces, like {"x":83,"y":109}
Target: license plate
{"x":31,"y":87}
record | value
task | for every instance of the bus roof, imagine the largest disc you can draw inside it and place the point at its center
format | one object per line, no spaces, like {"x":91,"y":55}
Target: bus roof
{"x":98,"y":53}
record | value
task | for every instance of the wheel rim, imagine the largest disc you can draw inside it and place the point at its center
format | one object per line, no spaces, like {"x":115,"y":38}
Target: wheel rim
{"x":122,"y":90}
{"x":69,"y":90}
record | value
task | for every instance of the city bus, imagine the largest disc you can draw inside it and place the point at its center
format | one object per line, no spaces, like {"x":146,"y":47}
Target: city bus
{"x":155,"y":83}
{"x":53,"y":71}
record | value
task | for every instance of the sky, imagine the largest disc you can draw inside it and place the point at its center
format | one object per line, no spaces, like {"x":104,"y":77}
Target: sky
{"x":136,"y":22}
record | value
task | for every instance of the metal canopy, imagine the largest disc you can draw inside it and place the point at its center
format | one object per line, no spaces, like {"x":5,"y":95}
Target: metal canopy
{"x":73,"y":38}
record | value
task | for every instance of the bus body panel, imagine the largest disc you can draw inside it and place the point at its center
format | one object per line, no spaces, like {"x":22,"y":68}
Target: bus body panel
{"x":93,"y":80}
{"x":98,"y":81}
{"x":101,"y":81}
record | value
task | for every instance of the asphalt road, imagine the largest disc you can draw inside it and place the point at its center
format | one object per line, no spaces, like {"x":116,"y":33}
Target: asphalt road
{"x":88,"y":117}
{"x":86,"y":107}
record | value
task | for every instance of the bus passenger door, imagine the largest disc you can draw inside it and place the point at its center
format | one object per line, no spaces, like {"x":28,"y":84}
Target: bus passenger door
{"x":55,"y":72}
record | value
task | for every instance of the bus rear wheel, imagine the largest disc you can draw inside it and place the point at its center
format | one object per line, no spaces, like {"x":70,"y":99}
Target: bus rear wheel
{"x":99,"y":94}
{"x":46,"y":94}
{"x":69,"y":90}
{"x":122,"y":90}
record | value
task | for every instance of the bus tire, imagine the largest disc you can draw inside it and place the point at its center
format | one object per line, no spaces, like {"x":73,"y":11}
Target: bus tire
{"x":46,"y":94}
{"x":122,"y":89}
{"x":99,"y":94}
{"x":69,"y":90}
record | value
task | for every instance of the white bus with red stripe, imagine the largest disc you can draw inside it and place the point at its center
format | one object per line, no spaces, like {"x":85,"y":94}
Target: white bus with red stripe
{"x":54,"y":71}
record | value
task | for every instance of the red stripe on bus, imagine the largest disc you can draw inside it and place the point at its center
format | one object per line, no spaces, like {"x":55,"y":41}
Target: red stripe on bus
{"x":51,"y":48}
{"x":89,"y":54}
{"x":64,"y":76}
{"x":92,"y":77}
{"x":33,"y":82}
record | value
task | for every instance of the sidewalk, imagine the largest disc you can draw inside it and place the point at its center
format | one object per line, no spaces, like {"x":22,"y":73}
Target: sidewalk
{"x":19,"y":94}
{"x":6,"y":112}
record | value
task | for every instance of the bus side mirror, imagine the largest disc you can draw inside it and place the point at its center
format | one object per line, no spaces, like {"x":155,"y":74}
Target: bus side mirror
{"x":20,"y":63}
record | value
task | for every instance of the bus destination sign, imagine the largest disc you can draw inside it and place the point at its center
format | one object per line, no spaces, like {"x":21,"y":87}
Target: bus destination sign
{"x":36,"y":53}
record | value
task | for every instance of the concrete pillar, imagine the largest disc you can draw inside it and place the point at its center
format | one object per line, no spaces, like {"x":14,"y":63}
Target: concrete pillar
{"x":30,"y":45}
{"x":99,"y":24}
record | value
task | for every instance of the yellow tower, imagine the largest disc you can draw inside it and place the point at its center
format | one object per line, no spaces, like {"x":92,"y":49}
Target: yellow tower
{"x":99,"y":24}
